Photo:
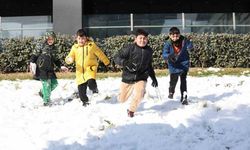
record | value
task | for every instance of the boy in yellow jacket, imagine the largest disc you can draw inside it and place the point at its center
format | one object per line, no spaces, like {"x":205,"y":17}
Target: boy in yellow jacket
{"x":85,"y":54}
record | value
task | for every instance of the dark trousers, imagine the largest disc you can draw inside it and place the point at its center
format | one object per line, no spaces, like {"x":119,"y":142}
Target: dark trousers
{"x":174,"y":80}
{"x":82,"y":89}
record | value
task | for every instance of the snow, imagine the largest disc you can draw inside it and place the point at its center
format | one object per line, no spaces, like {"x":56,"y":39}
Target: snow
{"x":217,"y":118}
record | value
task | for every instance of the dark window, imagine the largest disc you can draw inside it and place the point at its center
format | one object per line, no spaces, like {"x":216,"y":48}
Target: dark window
{"x":25,"y":7}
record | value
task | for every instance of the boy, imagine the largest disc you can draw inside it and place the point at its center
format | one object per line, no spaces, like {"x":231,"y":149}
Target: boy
{"x":176,"y":54}
{"x":85,"y":54}
{"x":42,"y":65}
{"x":136,"y":60}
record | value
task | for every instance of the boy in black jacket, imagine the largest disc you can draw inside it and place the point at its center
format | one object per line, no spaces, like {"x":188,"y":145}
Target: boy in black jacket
{"x":136,"y":60}
{"x":42,"y":65}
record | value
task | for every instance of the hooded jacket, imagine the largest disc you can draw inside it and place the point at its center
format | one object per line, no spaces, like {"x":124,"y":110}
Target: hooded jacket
{"x":177,"y":63}
{"x":86,"y":62}
{"x":45,"y":57}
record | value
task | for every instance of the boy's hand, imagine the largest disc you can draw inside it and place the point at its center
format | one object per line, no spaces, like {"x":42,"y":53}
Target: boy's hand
{"x":33,"y":68}
{"x":69,"y":60}
{"x":64,"y":69}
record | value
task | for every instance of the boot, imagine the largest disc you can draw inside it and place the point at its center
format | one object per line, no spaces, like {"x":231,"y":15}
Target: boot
{"x":184,"y":99}
{"x":171,"y":95}
{"x":130,"y":113}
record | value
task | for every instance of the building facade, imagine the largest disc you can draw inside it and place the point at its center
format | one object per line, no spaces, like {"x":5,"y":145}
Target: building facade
{"x":104,"y":18}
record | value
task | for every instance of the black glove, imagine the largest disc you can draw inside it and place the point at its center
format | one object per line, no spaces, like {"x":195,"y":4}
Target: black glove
{"x":172,"y":58}
{"x":154,"y":83}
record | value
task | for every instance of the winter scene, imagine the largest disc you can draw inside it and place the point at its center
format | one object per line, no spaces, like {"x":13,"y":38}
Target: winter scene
{"x":216,"y":118}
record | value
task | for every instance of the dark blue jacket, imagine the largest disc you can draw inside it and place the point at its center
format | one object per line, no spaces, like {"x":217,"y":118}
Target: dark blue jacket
{"x":177,"y":63}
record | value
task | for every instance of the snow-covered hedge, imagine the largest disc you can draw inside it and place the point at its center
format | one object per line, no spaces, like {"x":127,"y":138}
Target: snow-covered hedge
{"x":211,"y":50}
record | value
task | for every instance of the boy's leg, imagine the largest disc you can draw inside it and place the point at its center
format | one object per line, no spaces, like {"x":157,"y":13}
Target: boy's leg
{"x":183,"y":85}
{"x":82,"y":89}
{"x":125,"y":92}
{"x":54,"y":84}
{"x":139,"y":90}
{"x":46,"y":90}
{"x":92,"y":85}
{"x":183,"y":88}
{"x":172,"y":84}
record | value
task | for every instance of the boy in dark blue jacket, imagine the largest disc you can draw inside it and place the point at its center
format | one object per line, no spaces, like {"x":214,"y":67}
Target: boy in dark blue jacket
{"x":176,"y":54}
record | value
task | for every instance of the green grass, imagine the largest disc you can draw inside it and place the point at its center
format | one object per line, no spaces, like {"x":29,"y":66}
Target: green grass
{"x":197,"y":72}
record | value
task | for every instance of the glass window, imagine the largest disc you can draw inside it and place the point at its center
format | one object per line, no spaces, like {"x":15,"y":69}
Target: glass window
{"x":157,"y":19}
{"x":208,"y":19}
{"x":107,"y":32}
{"x":204,"y":29}
{"x":242,"y":18}
{"x":25,"y":26}
{"x":106,"y":20}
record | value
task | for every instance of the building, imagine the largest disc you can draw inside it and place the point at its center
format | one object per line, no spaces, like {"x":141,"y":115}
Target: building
{"x":104,"y":18}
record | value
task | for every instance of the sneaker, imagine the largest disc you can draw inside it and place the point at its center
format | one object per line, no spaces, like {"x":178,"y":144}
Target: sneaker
{"x":95,"y":91}
{"x":40,"y":94}
{"x":171,"y":95}
{"x":85,"y":104}
{"x":184,"y":99}
{"x":46,"y":104}
{"x":130,"y":113}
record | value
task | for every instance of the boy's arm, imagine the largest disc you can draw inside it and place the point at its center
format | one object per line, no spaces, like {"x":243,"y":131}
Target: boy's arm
{"x":122,"y":56}
{"x":151,"y":73}
{"x":37,"y":51}
{"x":101,"y":55}
{"x":71,"y":56}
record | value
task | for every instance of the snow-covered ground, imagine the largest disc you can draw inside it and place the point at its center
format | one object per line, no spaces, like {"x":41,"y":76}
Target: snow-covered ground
{"x":218,"y":117}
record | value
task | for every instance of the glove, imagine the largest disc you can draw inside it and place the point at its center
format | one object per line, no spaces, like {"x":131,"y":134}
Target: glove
{"x":172,"y":58}
{"x":154,"y":83}
{"x":33,"y":68}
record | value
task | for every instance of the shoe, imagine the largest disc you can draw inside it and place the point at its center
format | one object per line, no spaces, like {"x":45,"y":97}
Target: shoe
{"x":46,"y":104}
{"x":171,"y":95}
{"x":85,"y":104}
{"x":130,"y":113}
{"x":184,"y":99}
{"x":95,"y":91}
{"x":40,"y":94}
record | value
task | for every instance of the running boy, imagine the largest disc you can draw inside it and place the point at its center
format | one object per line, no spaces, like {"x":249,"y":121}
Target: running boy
{"x":85,"y":54}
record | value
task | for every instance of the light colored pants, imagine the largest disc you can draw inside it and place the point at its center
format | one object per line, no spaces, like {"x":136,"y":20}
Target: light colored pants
{"x":137,"y":89}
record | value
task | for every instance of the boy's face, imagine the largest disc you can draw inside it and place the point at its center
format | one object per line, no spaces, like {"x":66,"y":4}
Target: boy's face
{"x":50,"y":40}
{"x":81,"y":40}
{"x":141,"y":40}
{"x":174,"y":37}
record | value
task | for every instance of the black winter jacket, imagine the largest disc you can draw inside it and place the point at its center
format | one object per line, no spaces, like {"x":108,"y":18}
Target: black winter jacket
{"x":45,"y":57}
{"x":136,"y":62}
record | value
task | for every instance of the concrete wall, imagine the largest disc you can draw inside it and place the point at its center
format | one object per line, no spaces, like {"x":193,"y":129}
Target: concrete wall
{"x":67,"y":16}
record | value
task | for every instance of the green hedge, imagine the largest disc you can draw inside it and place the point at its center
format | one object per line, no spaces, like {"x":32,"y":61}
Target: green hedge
{"x":210,"y":50}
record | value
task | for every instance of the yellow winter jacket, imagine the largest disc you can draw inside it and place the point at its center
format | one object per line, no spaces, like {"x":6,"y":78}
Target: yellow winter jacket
{"x":85,"y":58}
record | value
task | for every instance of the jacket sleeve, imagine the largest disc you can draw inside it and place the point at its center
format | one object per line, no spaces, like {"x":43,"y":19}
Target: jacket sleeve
{"x":71,"y":56}
{"x":190,"y":46}
{"x":37,"y":51}
{"x":166,"y":51}
{"x":151,"y":71}
{"x":122,"y":56}
{"x":99,"y":53}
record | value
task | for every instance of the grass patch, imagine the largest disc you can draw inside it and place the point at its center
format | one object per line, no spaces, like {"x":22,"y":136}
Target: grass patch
{"x":197,"y":72}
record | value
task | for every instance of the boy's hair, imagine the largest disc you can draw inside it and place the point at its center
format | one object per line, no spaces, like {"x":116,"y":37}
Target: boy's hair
{"x":141,"y":32}
{"x":174,"y":30}
{"x":49,"y":34}
{"x":81,"y":33}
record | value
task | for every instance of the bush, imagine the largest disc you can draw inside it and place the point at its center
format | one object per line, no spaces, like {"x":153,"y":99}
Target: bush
{"x":210,"y":50}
